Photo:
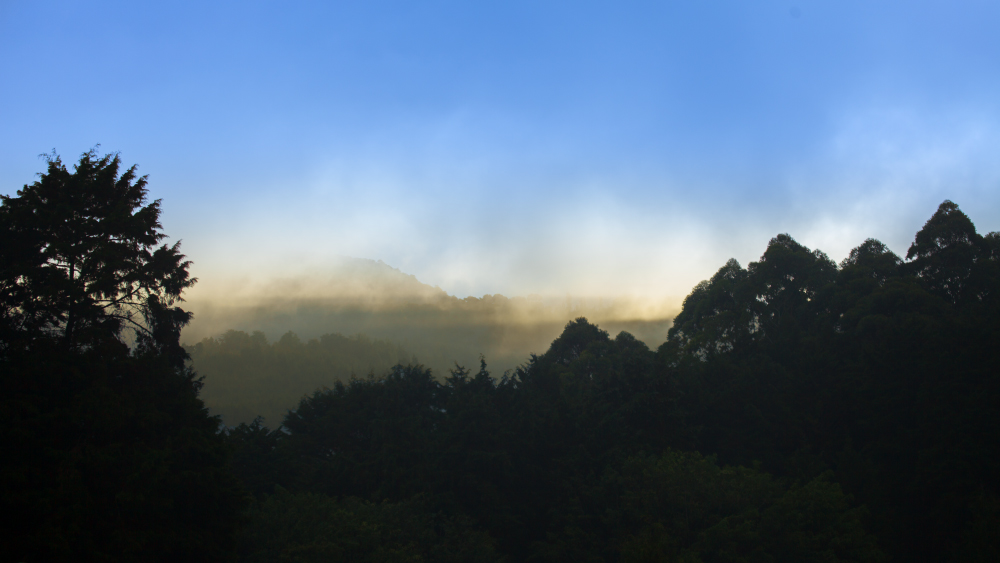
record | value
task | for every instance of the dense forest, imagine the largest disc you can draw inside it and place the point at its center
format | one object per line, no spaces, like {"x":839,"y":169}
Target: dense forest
{"x":799,"y":410}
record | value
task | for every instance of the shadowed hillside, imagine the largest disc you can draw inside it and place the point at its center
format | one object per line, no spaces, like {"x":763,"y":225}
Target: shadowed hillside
{"x":246,"y":376}
{"x":371,"y":298}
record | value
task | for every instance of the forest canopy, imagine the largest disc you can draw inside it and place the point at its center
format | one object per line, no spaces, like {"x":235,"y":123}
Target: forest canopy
{"x":798,"y":410}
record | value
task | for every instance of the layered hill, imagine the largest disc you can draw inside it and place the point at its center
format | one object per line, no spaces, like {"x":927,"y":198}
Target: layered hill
{"x":419,"y":322}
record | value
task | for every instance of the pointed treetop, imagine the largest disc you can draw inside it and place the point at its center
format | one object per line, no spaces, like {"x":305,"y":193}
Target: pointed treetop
{"x":946,"y":229}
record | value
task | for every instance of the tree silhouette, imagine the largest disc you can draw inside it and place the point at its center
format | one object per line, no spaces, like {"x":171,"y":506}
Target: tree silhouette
{"x":80,"y":261}
{"x":944,"y":251}
{"x":109,"y":453}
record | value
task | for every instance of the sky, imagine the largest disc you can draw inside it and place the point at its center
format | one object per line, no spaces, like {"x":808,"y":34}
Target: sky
{"x":552,"y":148}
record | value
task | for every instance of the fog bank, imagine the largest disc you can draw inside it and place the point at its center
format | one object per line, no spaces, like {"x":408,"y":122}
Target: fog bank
{"x":372,"y":298}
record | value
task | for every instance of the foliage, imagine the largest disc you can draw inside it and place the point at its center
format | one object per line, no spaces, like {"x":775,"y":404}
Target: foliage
{"x":246,"y":376}
{"x":256,"y":462}
{"x":305,"y":527}
{"x":881,"y":370}
{"x":980,"y":541}
{"x":110,"y":455}
{"x":828,"y":391}
{"x":116,"y":460}
{"x":684,"y":507}
{"x":80,"y":261}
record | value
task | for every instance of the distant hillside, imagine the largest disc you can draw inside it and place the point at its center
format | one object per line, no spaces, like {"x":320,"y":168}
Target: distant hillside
{"x":369,"y":297}
{"x":246,"y":376}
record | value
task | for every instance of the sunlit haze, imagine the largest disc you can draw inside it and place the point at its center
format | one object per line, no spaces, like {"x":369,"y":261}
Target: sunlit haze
{"x":596,"y":150}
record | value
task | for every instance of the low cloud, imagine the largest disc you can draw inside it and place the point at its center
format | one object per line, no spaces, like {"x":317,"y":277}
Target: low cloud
{"x":370,"y":297}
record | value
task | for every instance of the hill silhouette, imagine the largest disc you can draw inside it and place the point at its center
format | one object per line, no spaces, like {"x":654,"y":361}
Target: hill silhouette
{"x":360,"y":296}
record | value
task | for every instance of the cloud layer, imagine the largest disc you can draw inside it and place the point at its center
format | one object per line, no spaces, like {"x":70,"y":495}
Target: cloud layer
{"x":583,"y":149}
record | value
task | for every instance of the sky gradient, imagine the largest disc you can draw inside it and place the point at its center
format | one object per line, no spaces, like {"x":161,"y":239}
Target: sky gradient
{"x":584,"y":148}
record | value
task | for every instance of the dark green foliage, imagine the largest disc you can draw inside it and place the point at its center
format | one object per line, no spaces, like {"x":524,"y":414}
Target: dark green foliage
{"x":370,"y":438}
{"x":112,"y":457}
{"x":716,"y":317}
{"x":683,"y":507}
{"x":883,"y":371}
{"x":828,"y":392}
{"x":246,"y":376}
{"x":109,"y":453}
{"x":80,"y":260}
{"x":257,"y":461}
{"x":501,"y":451}
{"x":540,"y":458}
{"x":980,"y":541}
{"x":877,"y":376}
{"x":308,"y":527}
{"x":944,"y":252}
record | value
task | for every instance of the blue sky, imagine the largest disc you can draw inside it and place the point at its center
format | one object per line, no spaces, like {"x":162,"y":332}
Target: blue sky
{"x":516,"y":147}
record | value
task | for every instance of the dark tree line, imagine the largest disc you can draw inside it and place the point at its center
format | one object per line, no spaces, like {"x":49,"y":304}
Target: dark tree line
{"x":850,"y":411}
{"x":109,"y":454}
{"x":799,"y":410}
{"x":884,"y":370}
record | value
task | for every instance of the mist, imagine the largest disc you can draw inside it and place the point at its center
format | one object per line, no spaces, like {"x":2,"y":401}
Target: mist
{"x":360,"y":296}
